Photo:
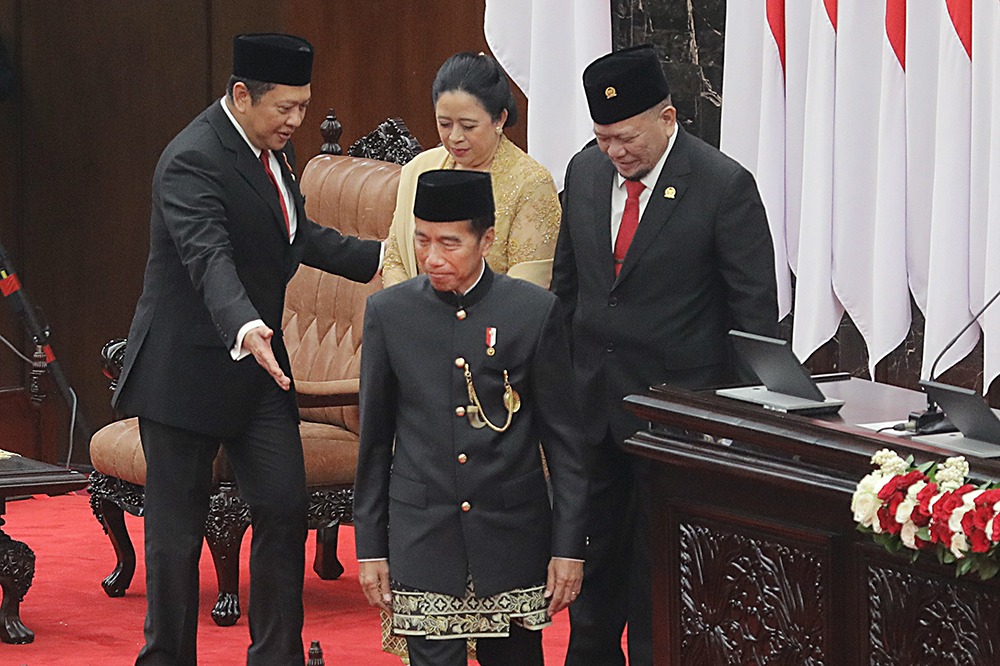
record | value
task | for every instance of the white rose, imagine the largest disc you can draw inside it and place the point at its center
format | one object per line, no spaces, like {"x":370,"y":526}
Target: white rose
{"x":959,"y":545}
{"x":904,"y":510}
{"x":908,"y":533}
{"x":865,"y":502}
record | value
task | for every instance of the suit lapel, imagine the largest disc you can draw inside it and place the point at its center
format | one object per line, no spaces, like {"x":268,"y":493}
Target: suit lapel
{"x":673,"y":181}
{"x":301,"y":229}
{"x":603,"y":182}
{"x":248,"y":165}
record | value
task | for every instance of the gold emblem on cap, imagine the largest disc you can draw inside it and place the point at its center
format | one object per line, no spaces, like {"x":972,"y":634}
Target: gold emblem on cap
{"x":610,"y":92}
{"x":670,"y":192}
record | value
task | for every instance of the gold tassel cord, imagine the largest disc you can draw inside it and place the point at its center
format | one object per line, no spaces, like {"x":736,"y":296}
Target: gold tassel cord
{"x":476,"y":414}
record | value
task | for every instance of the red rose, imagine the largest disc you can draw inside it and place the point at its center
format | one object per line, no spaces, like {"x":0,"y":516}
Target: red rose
{"x":921,"y":515}
{"x":894,"y":492}
{"x":943,"y":508}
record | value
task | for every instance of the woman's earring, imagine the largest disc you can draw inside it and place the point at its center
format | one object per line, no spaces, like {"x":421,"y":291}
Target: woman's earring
{"x":499,"y":130}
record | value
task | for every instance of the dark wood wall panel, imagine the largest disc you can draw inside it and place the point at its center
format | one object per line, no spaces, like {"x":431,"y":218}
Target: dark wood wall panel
{"x":104,"y":88}
{"x":378,"y":58}
{"x":12,"y":370}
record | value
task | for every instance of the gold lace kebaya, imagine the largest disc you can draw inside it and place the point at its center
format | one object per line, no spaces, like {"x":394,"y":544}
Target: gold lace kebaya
{"x":527,"y":216}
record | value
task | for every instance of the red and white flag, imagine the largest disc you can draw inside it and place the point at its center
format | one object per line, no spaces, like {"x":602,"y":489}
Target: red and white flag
{"x":985,"y":183}
{"x":771,"y":156}
{"x":544,"y":45}
{"x":948,"y":277}
{"x":741,"y":81}
{"x":869,"y":207}
{"x":797,"y":20}
{"x":817,"y":310}
{"x":754,"y":89}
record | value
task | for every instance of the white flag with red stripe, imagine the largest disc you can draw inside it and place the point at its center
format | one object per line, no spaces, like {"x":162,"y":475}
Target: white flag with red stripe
{"x":544,"y":45}
{"x":797,"y":20}
{"x":948,"y":277}
{"x":771,"y":155}
{"x":754,"y":89}
{"x":869,"y":270}
{"x":817,"y":310}
{"x":741,"y":82}
{"x":985,"y":195}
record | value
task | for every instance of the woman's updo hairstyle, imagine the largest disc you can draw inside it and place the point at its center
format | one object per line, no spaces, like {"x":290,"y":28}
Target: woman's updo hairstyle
{"x":482,"y":77}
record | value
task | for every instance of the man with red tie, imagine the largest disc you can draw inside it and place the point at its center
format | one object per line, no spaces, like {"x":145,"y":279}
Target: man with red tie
{"x":205,"y":363}
{"x":663,"y":247}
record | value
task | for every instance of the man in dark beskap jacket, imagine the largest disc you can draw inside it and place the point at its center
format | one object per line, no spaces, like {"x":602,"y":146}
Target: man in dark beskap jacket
{"x":205,"y":362}
{"x":663,"y":248}
{"x":463,"y":373}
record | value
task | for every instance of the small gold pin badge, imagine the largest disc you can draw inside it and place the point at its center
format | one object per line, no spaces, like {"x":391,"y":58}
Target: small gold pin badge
{"x":670,"y":193}
{"x":461,"y":314}
{"x":610,"y":92}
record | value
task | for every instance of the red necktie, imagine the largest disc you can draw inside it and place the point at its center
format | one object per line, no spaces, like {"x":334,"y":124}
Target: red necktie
{"x":630,"y":222}
{"x":265,"y":159}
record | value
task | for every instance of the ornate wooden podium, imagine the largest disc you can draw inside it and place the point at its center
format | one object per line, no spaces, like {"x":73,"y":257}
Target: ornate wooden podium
{"x":756,"y":559}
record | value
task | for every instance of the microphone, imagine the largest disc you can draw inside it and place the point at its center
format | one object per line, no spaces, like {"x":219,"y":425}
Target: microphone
{"x":932,"y":420}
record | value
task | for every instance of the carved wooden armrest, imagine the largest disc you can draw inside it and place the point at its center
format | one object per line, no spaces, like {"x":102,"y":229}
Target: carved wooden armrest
{"x":112,"y":359}
{"x":333,"y":393}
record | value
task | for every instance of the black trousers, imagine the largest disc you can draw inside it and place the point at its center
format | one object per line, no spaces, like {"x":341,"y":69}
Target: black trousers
{"x":522,"y":648}
{"x":268,"y":463}
{"x":616,"y":574}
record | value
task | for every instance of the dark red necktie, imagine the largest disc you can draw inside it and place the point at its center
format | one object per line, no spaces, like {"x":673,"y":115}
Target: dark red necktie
{"x":630,"y":222}
{"x":265,"y":159}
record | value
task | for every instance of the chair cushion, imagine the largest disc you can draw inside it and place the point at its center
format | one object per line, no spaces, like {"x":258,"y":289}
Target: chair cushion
{"x":324,"y":314}
{"x":331,"y":454}
{"x":116,"y":450}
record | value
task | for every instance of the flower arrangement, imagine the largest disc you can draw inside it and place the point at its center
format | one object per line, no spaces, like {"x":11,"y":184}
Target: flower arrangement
{"x":931,"y":507}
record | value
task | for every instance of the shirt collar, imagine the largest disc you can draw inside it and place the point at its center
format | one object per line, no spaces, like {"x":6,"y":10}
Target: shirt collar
{"x":649,"y":180}
{"x":239,"y":128}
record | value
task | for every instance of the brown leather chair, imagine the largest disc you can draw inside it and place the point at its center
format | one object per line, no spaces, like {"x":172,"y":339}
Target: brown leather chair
{"x":322,"y":327}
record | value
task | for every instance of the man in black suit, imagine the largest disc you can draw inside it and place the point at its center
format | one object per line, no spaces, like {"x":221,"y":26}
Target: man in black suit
{"x":663,"y":247}
{"x":463,"y":373}
{"x":205,"y":363}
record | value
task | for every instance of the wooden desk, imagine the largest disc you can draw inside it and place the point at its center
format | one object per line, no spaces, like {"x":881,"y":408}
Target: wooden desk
{"x":24,"y":476}
{"x":756,"y":559}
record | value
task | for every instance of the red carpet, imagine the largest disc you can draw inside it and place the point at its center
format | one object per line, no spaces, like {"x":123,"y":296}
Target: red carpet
{"x":76,"y":624}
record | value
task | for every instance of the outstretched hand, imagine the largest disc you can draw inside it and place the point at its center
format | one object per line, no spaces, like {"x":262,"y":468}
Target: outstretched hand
{"x":258,"y":342}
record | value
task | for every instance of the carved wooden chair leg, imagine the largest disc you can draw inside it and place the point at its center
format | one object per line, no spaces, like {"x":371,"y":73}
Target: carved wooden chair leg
{"x":326,"y":565}
{"x":328,"y":509}
{"x":17,"y":569}
{"x":228,"y":520}
{"x":113,"y":521}
{"x":112,"y":518}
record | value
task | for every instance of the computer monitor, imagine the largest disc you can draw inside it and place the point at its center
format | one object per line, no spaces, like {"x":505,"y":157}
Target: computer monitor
{"x":788,"y":387}
{"x":978,"y":425}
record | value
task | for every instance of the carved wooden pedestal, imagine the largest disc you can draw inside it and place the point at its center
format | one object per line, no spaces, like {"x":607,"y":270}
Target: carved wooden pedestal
{"x":23,"y":476}
{"x":756,"y":559}
{"x":17,"y":569}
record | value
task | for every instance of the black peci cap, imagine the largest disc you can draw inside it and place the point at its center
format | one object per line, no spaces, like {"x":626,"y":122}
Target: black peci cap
{"x":624,"y":84}
{"x":273,"y":58}
{"x":453,"y":195}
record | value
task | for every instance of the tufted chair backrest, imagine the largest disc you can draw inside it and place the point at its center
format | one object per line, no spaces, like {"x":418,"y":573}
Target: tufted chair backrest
{"x":324,"y":314}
